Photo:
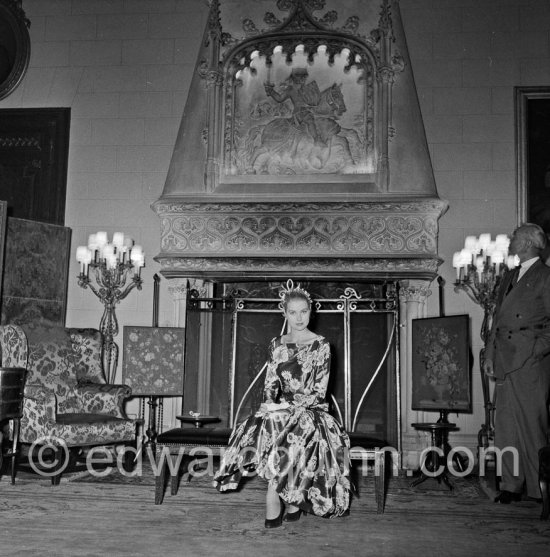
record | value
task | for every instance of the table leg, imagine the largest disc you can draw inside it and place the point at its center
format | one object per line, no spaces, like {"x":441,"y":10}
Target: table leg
{"x":152,"y":427}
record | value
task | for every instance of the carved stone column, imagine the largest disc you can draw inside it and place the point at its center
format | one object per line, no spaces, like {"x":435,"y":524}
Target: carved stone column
{"x":413,"y":295}
{"x":178,"y":290}
{"x":170,"y":407}
{"x":204,"y":290}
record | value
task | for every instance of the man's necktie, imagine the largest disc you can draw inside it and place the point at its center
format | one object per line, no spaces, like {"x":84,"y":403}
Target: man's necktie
{"x":514,"y":279}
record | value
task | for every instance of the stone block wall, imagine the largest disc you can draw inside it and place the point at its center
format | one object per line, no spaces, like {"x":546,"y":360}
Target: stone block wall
{"x":124,"y":67}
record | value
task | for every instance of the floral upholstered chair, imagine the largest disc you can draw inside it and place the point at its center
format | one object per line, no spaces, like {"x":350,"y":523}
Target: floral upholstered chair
{"x":67,"y":403}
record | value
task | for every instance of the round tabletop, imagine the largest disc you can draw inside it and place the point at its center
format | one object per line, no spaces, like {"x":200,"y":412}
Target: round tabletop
{"x":434,"y":426}
{"x":199,"y":420}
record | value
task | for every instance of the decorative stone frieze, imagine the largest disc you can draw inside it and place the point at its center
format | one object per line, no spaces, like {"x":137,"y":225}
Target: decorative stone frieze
{"x":318,"y":238}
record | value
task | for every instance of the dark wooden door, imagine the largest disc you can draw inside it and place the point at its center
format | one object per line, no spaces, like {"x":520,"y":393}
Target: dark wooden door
{"x":34,"y":148}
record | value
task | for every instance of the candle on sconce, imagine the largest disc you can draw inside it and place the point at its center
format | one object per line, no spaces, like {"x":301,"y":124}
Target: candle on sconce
{"x":457,"y":263}
{"x":107,"y":251}
{"x":118,"y":240}
{"x":502,"y":242}
{"x":498,"y":260}
{"x":471,"y":244}
{"x":484,"y":241}
{"x":101,"y":238}
{"x":81,"y":256}
{"x":136,"y":254}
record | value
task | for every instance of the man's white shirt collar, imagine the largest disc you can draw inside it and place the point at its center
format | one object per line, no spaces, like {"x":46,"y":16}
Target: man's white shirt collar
{"x":526,"y":265}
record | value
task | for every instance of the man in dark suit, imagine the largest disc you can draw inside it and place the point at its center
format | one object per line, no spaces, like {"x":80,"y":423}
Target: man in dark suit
{"x":518,"y":357}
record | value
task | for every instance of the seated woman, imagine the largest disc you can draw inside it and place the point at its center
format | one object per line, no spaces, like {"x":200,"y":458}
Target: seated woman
{"x":292,"y":442}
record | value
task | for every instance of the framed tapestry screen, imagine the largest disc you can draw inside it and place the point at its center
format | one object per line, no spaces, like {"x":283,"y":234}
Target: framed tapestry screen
{"x":35,"y":249}
{"x":441,"y":377}
{"x":153,"y":360}
{"x":532,"y":106}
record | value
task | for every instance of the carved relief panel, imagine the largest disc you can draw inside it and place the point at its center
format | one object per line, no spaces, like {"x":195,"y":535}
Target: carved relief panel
{"x":305,"y":98}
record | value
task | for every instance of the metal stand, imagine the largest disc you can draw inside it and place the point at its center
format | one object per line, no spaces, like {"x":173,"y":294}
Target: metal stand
{"x":436,"y":461}
{"x":111,"y":289}
{"x":152,"y":427}
{"x":482,"y":288}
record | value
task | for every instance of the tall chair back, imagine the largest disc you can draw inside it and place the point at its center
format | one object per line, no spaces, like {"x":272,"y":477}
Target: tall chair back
{"x":12,"y":384}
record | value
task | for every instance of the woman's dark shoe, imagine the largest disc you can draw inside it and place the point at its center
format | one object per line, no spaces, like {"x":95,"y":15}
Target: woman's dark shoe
{"x":293,"y":517}
{"x":275,"y":522}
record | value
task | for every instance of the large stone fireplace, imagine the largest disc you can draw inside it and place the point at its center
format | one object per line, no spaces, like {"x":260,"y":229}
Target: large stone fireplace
{"x":302,"y":154}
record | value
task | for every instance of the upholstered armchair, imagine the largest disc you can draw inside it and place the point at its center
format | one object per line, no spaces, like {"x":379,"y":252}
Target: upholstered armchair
{"x":67,"y":403}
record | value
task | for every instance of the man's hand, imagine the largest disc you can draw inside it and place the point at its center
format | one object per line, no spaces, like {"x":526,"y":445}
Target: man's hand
{"x":488,"y":368}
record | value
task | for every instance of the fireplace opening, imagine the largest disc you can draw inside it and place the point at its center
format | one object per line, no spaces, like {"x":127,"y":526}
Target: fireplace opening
{"x":226,"y":346}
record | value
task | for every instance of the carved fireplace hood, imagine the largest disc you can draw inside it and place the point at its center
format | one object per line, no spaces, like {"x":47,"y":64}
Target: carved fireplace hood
{"x":301,"y":150}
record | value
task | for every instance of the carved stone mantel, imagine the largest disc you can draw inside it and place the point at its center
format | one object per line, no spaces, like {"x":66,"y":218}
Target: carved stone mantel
{"x":215,"y":240}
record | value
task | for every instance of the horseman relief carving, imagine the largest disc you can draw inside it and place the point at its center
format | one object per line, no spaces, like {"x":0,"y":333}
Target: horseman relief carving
{"x":299,"y":122}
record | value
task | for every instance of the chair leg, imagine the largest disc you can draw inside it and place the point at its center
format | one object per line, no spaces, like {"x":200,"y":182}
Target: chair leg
{"x":59,"y":460}
{"x":130,"y":458}
{"x":15,"y":450}
{"x":160,"y":480}
{"x":174,"y":483}
{"x":380,"y":481}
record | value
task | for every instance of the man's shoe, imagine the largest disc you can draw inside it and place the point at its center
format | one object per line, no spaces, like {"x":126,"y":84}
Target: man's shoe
{"x":506,"y":497}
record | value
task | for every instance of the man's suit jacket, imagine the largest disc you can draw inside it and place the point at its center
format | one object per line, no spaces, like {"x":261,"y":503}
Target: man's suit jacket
{"x":520,"y":331}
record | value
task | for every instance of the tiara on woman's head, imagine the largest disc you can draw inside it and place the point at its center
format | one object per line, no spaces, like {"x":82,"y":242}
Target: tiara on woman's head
{"x":288,"y":289}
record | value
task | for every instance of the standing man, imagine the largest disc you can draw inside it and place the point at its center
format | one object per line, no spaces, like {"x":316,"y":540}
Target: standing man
{"x":518,"y":357}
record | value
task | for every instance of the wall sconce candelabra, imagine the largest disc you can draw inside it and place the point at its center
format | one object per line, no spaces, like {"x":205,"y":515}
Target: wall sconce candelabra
{"x":111,"y":266}
{"x":480,"y":266}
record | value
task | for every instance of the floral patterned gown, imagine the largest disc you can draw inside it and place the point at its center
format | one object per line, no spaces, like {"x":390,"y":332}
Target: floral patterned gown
{"x":292,"y":441}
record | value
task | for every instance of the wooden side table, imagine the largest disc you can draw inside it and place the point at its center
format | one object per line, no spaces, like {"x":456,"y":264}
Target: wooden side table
{"x":12,"y":384}
{"x":436,"y":459}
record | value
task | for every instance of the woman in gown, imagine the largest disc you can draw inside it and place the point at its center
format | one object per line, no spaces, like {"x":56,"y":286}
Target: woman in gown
{"x":292,"y":441}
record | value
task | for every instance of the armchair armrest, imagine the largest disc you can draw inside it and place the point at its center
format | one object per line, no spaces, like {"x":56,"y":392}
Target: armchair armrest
{"x":39,"y":412}
{"x":13,"y":346}
{"x":94,"y":398}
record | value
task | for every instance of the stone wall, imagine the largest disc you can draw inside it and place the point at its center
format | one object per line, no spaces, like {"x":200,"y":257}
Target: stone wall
{"x":124,"y":68}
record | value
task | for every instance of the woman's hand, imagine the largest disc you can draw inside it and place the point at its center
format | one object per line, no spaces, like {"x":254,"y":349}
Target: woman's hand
{"x":266,"y":407}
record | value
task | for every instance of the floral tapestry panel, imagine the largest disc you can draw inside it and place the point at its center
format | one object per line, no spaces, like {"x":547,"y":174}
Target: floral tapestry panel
{"x":153,"y":360}
{"x":441,"y":364}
